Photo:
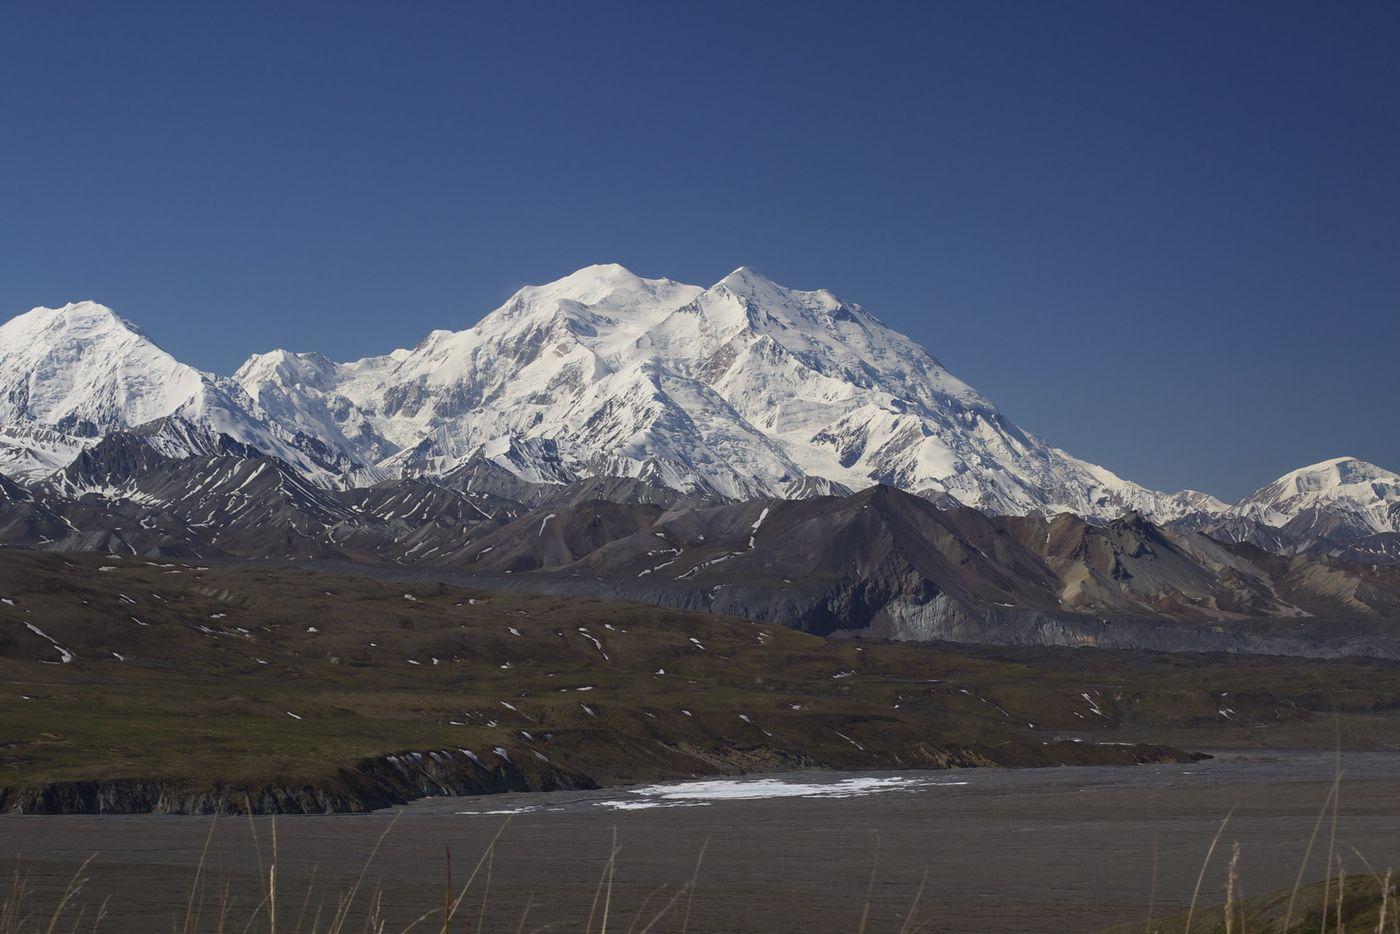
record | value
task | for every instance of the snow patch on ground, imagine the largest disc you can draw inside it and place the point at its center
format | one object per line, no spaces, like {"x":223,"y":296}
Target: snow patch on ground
{"x":744,"y":790}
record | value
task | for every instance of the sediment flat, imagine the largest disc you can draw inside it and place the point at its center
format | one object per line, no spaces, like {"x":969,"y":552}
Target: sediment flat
{"x":1055,"y":849}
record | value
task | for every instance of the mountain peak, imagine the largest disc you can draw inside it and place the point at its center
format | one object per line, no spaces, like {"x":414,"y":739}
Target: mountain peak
{"x":746,"y":387}
{"x":84,"y":368}
{"x":1368,"y":494}
{"x":590,"y":283}
{"x":87,"y":308}
{"x":607,"y":269}
{"x":749,"y":283}
{"x":608,"y":287}
{"x":597,"y":274}
{"x":1334,"y":463}
{"x":754,"y":287}
{"x":285,"y":366}
{"x":1335,"y":472}
{"x":87,"y":317}
{"x":744,"y":274}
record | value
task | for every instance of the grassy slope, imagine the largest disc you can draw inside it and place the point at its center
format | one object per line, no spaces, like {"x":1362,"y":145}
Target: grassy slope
{"x":207,"y":683}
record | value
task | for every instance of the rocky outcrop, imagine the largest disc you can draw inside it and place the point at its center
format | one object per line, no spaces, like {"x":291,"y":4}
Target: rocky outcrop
{"x":915,"y":613}
{"x":391,"y":780}
{"x":369,"y":785}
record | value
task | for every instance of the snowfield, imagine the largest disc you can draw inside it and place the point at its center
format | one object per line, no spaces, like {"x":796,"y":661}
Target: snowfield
{"x":741,"y":390}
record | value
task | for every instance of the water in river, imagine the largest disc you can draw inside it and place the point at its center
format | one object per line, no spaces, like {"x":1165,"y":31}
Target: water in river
{"x":1065,"y":849}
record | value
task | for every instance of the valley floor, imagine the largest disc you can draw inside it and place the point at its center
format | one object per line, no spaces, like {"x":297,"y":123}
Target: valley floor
{"x":1072,"y":849}
{"x":137,"y":685}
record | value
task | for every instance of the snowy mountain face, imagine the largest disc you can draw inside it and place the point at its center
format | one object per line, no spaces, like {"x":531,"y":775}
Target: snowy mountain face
{"x":85,"y":371}
{"x":1344,"y":496}
{"x":71,"y":376}
{"x":1342,"y":508}
{"x":743,"y":389}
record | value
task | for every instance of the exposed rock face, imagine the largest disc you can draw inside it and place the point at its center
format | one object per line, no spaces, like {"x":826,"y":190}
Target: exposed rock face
{"x":372,"y":784}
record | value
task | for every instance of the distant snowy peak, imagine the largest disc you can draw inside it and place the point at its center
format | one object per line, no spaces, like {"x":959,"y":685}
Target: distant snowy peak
{"x":1358,"y":497}
{"x":71,"y":376}
{"x":1188,"y":502}
{"x":1110,"y":496}
{"x":84,"y":370}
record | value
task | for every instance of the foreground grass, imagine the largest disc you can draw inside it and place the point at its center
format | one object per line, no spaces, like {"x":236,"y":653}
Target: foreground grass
{"x":1359,"y":904}
{"x":1365,"y":901}
{"x":364,"y":906}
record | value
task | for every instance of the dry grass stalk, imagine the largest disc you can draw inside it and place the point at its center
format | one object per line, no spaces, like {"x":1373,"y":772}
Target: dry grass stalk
{"x":1341,"y":894}
{"x":1232,"y":879}
{"x":908,"y":924}
{"x":694,"y":878}
{"x":12,"y":916}
{"x":466,"y":887}
{"x":486,"y":889}
{"x":70,"y":894}
{"x":16,"y":918}
{"x":637,"y":916}
{"x":607,"y":899}
{"x":1385,"y":903}
{"x":306,"y":903}
{"x":664,"y":910}
{"x":529,"y":902}
{"x":1332,"y":841}
{"x":605,"y":879}
{"x":342,"y":914}
{"x":447,"y":892}
{"x":1307,"y":854}
{"x":1210,"y":851}
{"x":870,"y":888}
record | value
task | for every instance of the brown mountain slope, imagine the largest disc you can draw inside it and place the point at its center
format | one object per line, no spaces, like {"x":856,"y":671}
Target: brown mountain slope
{"x":884,"y":563}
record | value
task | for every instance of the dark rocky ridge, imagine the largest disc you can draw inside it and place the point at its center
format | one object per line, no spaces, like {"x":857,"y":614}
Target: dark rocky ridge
{"x":879,"y":563}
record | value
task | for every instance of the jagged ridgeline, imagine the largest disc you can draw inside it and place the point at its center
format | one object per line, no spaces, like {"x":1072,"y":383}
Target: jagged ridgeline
{"x":746,"y":448}
{"x":740,"y":390}
{"x":881,"y":563}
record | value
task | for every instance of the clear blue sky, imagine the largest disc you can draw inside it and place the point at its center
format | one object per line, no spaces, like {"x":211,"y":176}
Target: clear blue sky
{"x":1163,"y":236}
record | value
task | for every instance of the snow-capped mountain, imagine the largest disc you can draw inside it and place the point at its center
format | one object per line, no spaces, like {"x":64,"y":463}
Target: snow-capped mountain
{"x":71,"y":376}
{"x":742,"y":389}
{"x":1343,"y":495}
{"x":1343,"y":508}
